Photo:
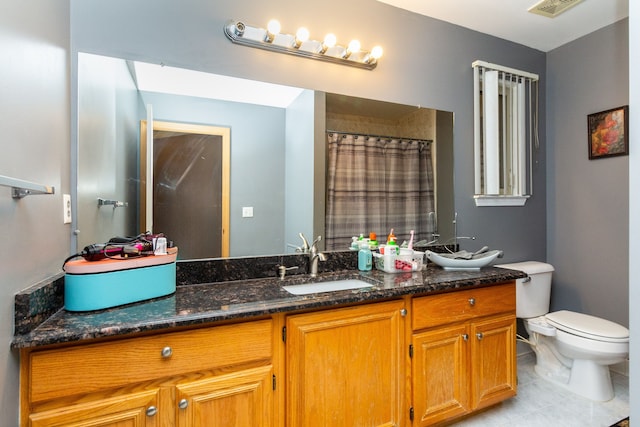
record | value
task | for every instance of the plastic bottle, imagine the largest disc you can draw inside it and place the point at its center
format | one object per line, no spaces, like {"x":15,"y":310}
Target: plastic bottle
{"x":373,"y":242}
{"x":365,"y":258}
{"x":354,"y":244}
{"x":392,"y":245}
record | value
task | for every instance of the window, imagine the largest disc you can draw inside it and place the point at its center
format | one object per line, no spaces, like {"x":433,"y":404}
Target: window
{"x":505,"y":128}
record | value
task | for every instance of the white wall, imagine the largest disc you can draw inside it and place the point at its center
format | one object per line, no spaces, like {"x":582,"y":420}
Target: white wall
{"x":34,"y":124}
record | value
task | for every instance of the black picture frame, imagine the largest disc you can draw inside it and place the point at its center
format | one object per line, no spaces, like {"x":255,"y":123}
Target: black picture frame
{"x":608,"y":133}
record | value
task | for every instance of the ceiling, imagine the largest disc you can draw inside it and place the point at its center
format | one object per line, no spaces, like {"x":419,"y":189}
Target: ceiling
{"x":510,"y":19}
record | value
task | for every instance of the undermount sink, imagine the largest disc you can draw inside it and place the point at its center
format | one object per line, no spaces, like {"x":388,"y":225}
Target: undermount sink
{"x":334,"y":285}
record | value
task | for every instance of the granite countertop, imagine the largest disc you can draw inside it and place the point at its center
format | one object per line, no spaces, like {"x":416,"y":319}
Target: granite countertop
{"x":200,"y":304}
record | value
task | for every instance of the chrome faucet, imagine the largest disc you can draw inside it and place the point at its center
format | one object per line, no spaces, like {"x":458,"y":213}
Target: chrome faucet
{"x":455,"y":233}
{"x":314,"y":255}
{"x":305,"y":245}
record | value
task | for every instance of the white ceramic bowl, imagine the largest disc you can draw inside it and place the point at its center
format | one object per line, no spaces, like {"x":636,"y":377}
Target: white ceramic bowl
{"x":449,"y":262}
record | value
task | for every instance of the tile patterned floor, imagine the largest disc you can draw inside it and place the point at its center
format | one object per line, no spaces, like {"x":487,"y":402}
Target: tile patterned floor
{"x":540,"y":403}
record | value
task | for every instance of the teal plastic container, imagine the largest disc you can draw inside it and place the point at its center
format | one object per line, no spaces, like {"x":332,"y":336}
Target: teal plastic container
{"x":96,"y":291}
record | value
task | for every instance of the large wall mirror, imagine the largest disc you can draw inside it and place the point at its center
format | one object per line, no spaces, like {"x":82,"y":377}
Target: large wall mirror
{"x":278,"y":154}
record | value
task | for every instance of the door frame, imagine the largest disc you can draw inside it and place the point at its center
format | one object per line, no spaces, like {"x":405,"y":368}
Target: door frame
{"x":223,"y":132}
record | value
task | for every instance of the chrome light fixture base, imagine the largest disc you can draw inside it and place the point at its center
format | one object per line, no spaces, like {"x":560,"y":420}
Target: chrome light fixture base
{"x":240,"y":33}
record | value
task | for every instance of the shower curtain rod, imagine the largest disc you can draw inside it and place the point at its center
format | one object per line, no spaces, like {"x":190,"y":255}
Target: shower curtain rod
{"x":426,"y":141}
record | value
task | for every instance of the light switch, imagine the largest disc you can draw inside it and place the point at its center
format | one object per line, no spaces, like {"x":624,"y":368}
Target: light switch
{"x":247,"y":212}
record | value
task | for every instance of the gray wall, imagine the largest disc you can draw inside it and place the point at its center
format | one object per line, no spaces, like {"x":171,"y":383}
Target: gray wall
{"x":445,"y":189}
{"x":108,"y":160}
{"x":299,"y":165}
{"x":257,"y":164}
{"x":34,"y":123}
{"x":587,"y":200}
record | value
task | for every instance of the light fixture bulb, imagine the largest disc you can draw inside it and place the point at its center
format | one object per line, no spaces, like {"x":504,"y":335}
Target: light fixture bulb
{"x":271,"y":37}
{"x":329,"y":41}
{"x":273,"y":27}
{"x":354,"y":46}
{"x":302,"y":35}
{"x":376,"y":52}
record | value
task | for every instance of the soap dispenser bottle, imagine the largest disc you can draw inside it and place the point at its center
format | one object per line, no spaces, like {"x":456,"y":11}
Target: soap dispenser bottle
{"x":392,"y":244}
{"x":365,"y":258}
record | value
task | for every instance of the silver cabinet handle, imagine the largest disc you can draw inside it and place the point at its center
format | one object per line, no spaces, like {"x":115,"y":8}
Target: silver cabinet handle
{"x":465,"y":337}
{"x":183,"y":404}
{"x":167,"y":352}
{"x":480,"y":335}
{"x":403,"y":312}
{"x":151,"y":411}
{"x":472,"y":301}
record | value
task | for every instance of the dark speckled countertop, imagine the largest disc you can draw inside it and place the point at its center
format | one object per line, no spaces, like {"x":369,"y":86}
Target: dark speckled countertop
{"x":208,"y":303}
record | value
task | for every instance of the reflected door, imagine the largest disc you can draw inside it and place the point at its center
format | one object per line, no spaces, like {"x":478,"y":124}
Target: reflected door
{"x":191,"y":188}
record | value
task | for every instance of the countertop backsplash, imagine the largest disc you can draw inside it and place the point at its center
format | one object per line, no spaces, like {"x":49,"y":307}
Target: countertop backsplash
{"x":232,"y":279}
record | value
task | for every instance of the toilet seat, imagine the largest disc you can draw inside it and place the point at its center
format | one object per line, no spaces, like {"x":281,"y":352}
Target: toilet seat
{"x":586,"y":326}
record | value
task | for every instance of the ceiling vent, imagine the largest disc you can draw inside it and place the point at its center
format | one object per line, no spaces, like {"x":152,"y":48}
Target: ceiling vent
{"x":552,"y":8}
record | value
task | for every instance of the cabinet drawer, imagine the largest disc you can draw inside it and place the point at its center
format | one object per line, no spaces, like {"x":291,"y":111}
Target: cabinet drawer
{"x":87,"y":368}
{"x":456,"y":306}
{"x":121,"y":409}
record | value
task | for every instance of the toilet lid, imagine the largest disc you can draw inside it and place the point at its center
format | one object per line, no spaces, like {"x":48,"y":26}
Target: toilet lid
{"x":588,"y":326}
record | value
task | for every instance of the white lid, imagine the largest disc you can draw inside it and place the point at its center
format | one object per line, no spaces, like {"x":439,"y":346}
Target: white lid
{"x":588,"y":326}
{"x":529,"y":267}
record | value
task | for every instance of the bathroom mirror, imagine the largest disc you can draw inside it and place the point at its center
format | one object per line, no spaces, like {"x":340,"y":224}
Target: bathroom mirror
{"x":275,"y":168}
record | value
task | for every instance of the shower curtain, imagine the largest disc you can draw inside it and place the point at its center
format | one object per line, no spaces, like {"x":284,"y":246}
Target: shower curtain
{"x":375,"y":184}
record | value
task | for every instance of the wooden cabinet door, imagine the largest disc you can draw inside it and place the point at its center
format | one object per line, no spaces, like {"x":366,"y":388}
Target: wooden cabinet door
{"x":440,"y":374}
{"x":237,"y":399}
{"x":137,"y":409}
{"x":493,"y":361}
{"x":345,"y":367}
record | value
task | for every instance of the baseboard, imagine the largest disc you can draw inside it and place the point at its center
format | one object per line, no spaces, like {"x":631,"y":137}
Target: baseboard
{"x":522,"y":348}
{"x":621,"y":368}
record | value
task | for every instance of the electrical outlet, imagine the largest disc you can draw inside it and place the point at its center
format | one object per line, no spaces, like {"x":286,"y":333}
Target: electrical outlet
{"x":247,"y":212}
{"x":66,"y":208}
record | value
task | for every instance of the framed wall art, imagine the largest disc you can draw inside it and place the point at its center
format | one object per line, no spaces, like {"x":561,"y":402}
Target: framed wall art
{"x":609,"y":133}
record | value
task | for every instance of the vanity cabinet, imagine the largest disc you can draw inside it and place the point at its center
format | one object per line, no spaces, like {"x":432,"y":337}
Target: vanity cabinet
{"x":463,"y":352}
{"x":345,"y":367}
{"x":213,"y":376}
{"x":411,"y":361}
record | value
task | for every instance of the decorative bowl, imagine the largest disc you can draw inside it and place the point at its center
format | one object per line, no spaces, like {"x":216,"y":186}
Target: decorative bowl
{"x":453,"y":261}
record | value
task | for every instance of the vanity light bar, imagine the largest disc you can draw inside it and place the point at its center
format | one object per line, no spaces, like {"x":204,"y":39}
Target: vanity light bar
{"x":299,"y":44}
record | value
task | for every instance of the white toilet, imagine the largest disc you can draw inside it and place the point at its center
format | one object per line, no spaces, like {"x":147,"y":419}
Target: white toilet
{"x":572,"y":349}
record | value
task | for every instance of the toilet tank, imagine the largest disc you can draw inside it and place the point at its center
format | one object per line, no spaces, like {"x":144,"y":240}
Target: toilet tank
{"x":533,"y":293}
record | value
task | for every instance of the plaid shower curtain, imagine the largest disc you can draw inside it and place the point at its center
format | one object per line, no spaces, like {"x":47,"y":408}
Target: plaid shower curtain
{"x":376,"y":184}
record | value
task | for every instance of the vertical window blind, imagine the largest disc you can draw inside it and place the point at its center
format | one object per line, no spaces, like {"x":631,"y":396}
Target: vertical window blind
{"x":505,"y":127}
